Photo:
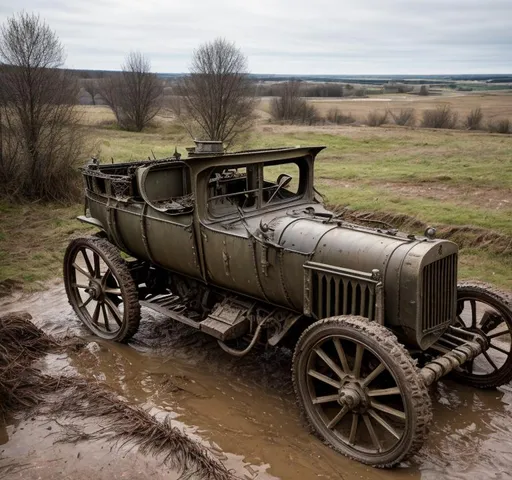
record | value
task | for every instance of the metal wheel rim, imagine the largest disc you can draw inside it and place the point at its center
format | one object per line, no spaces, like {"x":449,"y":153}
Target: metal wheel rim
{"x":469,"y":319}
{"x":374,"y":420}
{"x":96,"y":292}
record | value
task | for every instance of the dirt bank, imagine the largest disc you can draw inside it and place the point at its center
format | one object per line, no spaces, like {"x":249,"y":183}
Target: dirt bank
{"x":244,"y":409}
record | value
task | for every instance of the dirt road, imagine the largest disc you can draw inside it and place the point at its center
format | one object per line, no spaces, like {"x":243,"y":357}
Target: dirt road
{"x":243,"y":409}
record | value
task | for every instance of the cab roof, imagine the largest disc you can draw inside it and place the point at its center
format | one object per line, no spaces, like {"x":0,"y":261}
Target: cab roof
{"x":202,"y":161}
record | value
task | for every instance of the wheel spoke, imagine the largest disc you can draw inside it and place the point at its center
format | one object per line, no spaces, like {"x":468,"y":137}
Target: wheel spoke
{"x":473,"y":313}
{"x":373,"y":375}
{"x":341,"y":355}
{"x":105,"y":318}
{"x":459,"y":320}
{"x":337,"y":418}
{"x":87,"y":261}
{"x":357,"y":362}
{"x":326,"y":399}
{"x":498,"y":334}
{"x":96,"y":313}
{"x":330,"y":363}
{"x":380,"y":392}
{"x":372,"y":433}
{"x":84,"y":304}
{"x":383,"y":423}
{"x":105,"y":278}
{"x":387,"y":409}
{"x":82,"y":271}
{"x":79,"y":285}
{"x":115,"y":311}
{"x":490,"y":360}
{"x":353,"y":428}
{"x":502,"y":350}
{"x":324,"y":378}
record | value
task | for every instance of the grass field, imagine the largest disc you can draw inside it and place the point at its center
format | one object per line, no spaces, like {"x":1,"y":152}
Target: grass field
{"x":495,"y":105}
{"x":456,"y":180}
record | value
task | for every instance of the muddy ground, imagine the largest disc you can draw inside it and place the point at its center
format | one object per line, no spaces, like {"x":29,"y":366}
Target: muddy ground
{"x":242,"y":409}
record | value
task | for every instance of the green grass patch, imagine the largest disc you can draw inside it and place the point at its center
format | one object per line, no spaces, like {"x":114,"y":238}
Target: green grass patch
{"x":33,"y":239}
{"x":385,"y":169}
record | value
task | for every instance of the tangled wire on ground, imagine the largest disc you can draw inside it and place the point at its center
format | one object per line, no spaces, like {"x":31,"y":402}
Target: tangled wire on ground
{"x":23,"y":386}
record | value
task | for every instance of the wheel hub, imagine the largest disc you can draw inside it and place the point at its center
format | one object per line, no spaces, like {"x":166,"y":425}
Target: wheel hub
{"x":94,"y":290}
{"x":353,"y":396}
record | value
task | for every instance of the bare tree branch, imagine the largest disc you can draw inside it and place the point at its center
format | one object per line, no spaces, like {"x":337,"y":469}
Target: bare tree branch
{"x":134,"y":95}
{"x":92,"y":87}
{"x":216,"y":100}
{"x":39,"y":133}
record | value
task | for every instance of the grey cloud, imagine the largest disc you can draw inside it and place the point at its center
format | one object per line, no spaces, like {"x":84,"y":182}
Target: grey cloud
{"x":288,"y":36}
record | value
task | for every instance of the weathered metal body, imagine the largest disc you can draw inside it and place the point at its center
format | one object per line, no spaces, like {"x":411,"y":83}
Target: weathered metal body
{"x":241,"y":247}
{"x":303,"y":258}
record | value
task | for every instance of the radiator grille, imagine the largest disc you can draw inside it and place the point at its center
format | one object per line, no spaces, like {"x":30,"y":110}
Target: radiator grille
{"x":439,"y":292}
{"x":333,"y":294}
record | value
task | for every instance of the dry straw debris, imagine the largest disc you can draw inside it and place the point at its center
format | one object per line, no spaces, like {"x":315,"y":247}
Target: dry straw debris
{"x":22,"y":386}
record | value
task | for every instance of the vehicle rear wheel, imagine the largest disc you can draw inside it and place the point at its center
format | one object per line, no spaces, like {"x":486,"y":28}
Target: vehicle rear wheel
{"x":360,"y":390}
{"x":100,"y":289}
{"x":484,"y":310}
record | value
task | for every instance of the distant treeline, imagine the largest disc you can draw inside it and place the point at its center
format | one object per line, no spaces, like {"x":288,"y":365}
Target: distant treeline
{"x":361,"y":80}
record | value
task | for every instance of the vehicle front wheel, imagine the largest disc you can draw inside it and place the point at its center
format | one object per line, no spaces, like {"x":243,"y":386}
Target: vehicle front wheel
{"x":484,"y":310}
{"x":100,"y":289}
{"x":360,"y":390}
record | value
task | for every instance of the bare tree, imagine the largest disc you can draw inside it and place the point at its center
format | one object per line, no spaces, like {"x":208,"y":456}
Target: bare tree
{"x":216,"y":100}
{"x":92,"y":87}
{"x":40,"y":138}
{"x":291,"y":106}
{"x":134,"y":95}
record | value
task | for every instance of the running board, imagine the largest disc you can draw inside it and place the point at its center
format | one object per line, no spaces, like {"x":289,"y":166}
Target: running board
{"x":163,"y":304}
{"x":228,"y":320}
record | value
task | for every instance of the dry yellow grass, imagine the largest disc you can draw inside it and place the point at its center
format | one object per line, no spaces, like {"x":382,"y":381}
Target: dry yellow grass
{"x":493,"y":105}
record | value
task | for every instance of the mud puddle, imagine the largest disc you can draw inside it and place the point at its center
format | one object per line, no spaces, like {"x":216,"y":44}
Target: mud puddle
{"x":41,"y":448}
{"x":246,"y":406}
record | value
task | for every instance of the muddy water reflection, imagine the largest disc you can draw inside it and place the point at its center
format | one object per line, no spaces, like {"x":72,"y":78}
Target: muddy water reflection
{"x":246,"y":406}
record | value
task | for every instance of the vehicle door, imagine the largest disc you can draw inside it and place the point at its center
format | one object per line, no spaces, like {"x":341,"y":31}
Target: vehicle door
{"x":229,"y":248}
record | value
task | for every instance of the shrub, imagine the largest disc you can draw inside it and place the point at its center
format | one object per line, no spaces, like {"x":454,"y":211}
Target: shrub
{"x":376,"y":119}
{"x":441,"y":117}
{"x":359,"y":92}
{"x":336,"y":116}
{"x":406,"y":116}
{"x":41,"y":142}
{"x":423,"y":90}
{"x":290,"y":106}
{"x":134,"y":95}
{"x":474,"y":119}
{"x":499,"y":126}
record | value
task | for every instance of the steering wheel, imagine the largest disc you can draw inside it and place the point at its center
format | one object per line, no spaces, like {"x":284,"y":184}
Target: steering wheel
{"x":284,"y":180}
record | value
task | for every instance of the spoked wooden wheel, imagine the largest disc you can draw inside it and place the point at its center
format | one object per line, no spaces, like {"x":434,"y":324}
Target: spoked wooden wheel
{"x":100,"y":289}
{"x":360,"y":391}
{"x":483,"y":310}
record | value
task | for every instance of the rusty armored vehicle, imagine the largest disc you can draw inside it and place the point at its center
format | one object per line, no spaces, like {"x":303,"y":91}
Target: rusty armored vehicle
{"x":240,"y":246}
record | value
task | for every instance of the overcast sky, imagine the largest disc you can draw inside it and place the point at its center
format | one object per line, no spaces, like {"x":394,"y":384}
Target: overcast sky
{"x":287,"y":36}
